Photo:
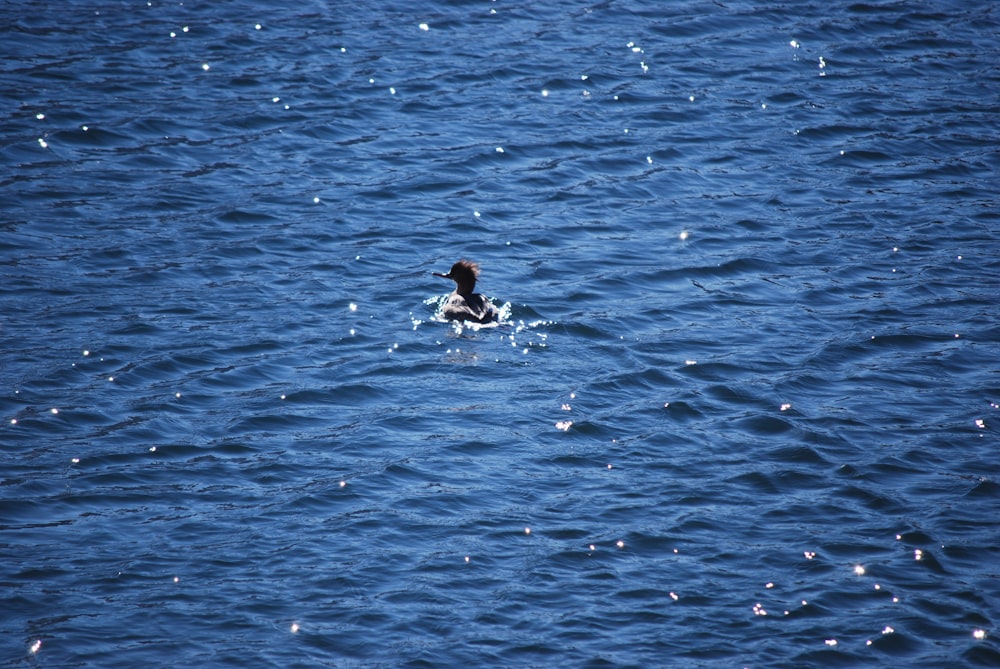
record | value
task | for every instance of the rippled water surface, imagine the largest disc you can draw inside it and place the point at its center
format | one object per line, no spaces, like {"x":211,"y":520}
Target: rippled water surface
{"x":741,"y":411}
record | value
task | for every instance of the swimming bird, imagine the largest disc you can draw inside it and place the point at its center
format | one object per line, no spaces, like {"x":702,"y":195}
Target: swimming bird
{"x":464,"y":304}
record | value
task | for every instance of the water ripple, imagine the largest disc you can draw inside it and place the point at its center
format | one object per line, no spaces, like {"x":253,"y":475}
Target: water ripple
{"x":740,"y":410}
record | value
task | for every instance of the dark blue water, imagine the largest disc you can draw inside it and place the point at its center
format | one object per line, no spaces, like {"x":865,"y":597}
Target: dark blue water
{"x":742,"y":410}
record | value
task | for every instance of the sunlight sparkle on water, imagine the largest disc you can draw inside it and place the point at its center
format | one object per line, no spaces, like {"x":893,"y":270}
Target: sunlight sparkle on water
{"x":36,"y":646}
{"x":859,"y":570}
{"x":977,"y":634}
{"x":294,"y":628}
{"x":564,"y":425}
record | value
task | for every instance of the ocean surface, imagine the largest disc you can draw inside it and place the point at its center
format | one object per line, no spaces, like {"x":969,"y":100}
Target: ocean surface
{"x":742,"y":408}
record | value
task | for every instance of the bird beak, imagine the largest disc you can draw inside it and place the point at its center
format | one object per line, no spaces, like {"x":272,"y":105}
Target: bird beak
{"x":443,"y":276}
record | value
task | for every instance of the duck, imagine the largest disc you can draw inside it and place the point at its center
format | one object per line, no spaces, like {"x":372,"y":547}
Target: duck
{"x":465,"y":304}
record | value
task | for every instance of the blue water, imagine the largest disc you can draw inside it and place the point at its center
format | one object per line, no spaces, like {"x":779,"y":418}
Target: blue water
{"x":742,"y":410}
